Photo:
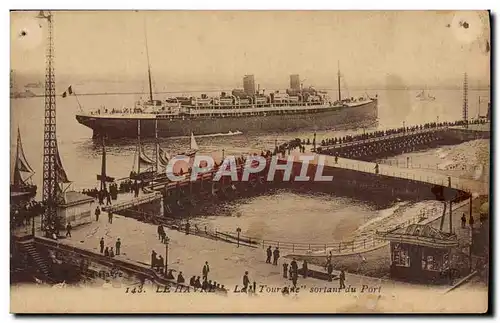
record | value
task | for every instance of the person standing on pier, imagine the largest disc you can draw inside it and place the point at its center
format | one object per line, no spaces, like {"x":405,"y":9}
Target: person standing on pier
{"x":342,"y":279}
{"x":101,"y":244}
{"x":118,"y":245}
{"x":159,"y":264}
{"x":192,"y":281}
{"x":197,"y":283}
{"x":110,"y":217}
{"x":188,"y":226}
{"x":269,"y":255}
{"x":68,"y":230}
{"x":246,"y":282}
{"x":336,"y":158}
{"x":108,"y":198}
{"x":304,"y":269}
{"x":206,"y":270}
{"x":328,"y":259}
{"x":464,"y":220}
{"x":376,"y":169}
{"x":111,"y":252}
{"x":97,"y":213}
{"x":329,"y":269}
{"x":153,"y":259}
{"x":295,"y":276}
{"x":180,"y":278}
{"x":471,"y":221}
{"x":276,"y":254}
{"x":160,"y":230}
{"x":285,"y":270}
{"x":106,"y":252}
{"x":294,"y":267}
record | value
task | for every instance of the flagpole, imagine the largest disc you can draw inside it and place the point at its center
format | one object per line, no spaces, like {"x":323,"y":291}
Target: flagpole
{"x":70,"y":91}
{"x":78,"y":101}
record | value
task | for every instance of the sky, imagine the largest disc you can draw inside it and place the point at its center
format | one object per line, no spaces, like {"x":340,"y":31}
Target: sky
{"x":371,"y":47}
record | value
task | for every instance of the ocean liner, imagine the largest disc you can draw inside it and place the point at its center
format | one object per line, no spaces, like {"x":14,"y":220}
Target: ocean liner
{"x":247,"y":110}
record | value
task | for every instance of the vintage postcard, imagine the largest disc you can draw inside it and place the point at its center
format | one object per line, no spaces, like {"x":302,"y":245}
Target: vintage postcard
{"x":250,"y":161}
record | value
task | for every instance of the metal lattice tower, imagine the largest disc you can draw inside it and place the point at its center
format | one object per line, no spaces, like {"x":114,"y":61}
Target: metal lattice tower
{"x":465,"y":109}
{"x":50,"y":153}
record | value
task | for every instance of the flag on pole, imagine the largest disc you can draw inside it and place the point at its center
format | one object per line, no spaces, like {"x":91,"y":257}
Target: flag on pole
{"x":69,"y":91}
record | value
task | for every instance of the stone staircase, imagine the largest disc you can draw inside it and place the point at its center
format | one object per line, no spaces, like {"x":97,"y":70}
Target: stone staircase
{"x":42,"y":266}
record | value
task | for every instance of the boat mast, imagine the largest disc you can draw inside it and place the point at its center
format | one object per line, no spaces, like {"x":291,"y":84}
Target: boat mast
{"x":17,"y":177}
{"x":149,"y":66}
{"x":103,"y":167}
{"x":338,"y":79}
{"x":156,"y":146}
{"x":139,"y":150}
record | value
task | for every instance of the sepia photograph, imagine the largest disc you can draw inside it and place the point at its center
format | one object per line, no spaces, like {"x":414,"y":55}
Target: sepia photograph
{"x":189,"y":161}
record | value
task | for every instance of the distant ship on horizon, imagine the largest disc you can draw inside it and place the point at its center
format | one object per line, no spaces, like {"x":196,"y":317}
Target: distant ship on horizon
{"x":423,"y":96}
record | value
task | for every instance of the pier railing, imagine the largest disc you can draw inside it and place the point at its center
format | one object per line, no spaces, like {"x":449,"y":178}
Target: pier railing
{"x":367,"y":242}
{"x":385,"y":137}
{"x":429,"y":166}
{"x":463,"y":184}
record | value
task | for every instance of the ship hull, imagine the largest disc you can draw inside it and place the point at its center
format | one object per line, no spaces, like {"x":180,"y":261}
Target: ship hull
{"x":127,"y":127}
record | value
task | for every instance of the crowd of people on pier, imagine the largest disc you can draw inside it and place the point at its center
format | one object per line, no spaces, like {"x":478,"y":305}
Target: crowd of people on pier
{"x":108,"y":250}
{"x":291,"y":270}
{"x":289,"y":146}
{"x":382,"y":133}
{"x":22,"y":214}
{"x":105,"y":196}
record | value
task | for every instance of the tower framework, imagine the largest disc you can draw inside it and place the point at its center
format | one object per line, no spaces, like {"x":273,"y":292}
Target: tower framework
{"x":50,"y":154}
{"x":465,"y":108}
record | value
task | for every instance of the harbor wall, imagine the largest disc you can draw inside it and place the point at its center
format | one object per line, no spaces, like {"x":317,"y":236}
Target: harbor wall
{"x":189,"y":198}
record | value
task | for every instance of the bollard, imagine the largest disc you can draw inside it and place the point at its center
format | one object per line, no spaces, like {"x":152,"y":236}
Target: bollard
{"x":293,"y":247}
{"x":340,"y":243}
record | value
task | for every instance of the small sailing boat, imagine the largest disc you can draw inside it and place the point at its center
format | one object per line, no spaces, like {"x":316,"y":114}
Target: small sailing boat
{"x":193,"y":147}
{"x":181,"y":167}
{"x":143,"y":167}
{"x":422,"y":96}
{"x":21,"y":183}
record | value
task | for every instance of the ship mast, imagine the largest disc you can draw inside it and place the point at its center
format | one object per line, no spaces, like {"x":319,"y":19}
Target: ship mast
{"x":149,"y":66}
{"x":338,"y":79}
{"x":103,"y":176}
{"x":157,"y":144}
{"x":139,"y":150}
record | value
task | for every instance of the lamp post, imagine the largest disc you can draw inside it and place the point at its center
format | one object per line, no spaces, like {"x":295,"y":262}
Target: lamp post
{"x":167,"y":240}
{"x":238,"y":230}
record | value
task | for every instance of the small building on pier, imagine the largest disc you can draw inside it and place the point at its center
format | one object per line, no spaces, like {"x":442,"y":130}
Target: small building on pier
{"x":420,"y":253}
{"x":76,"y":209}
